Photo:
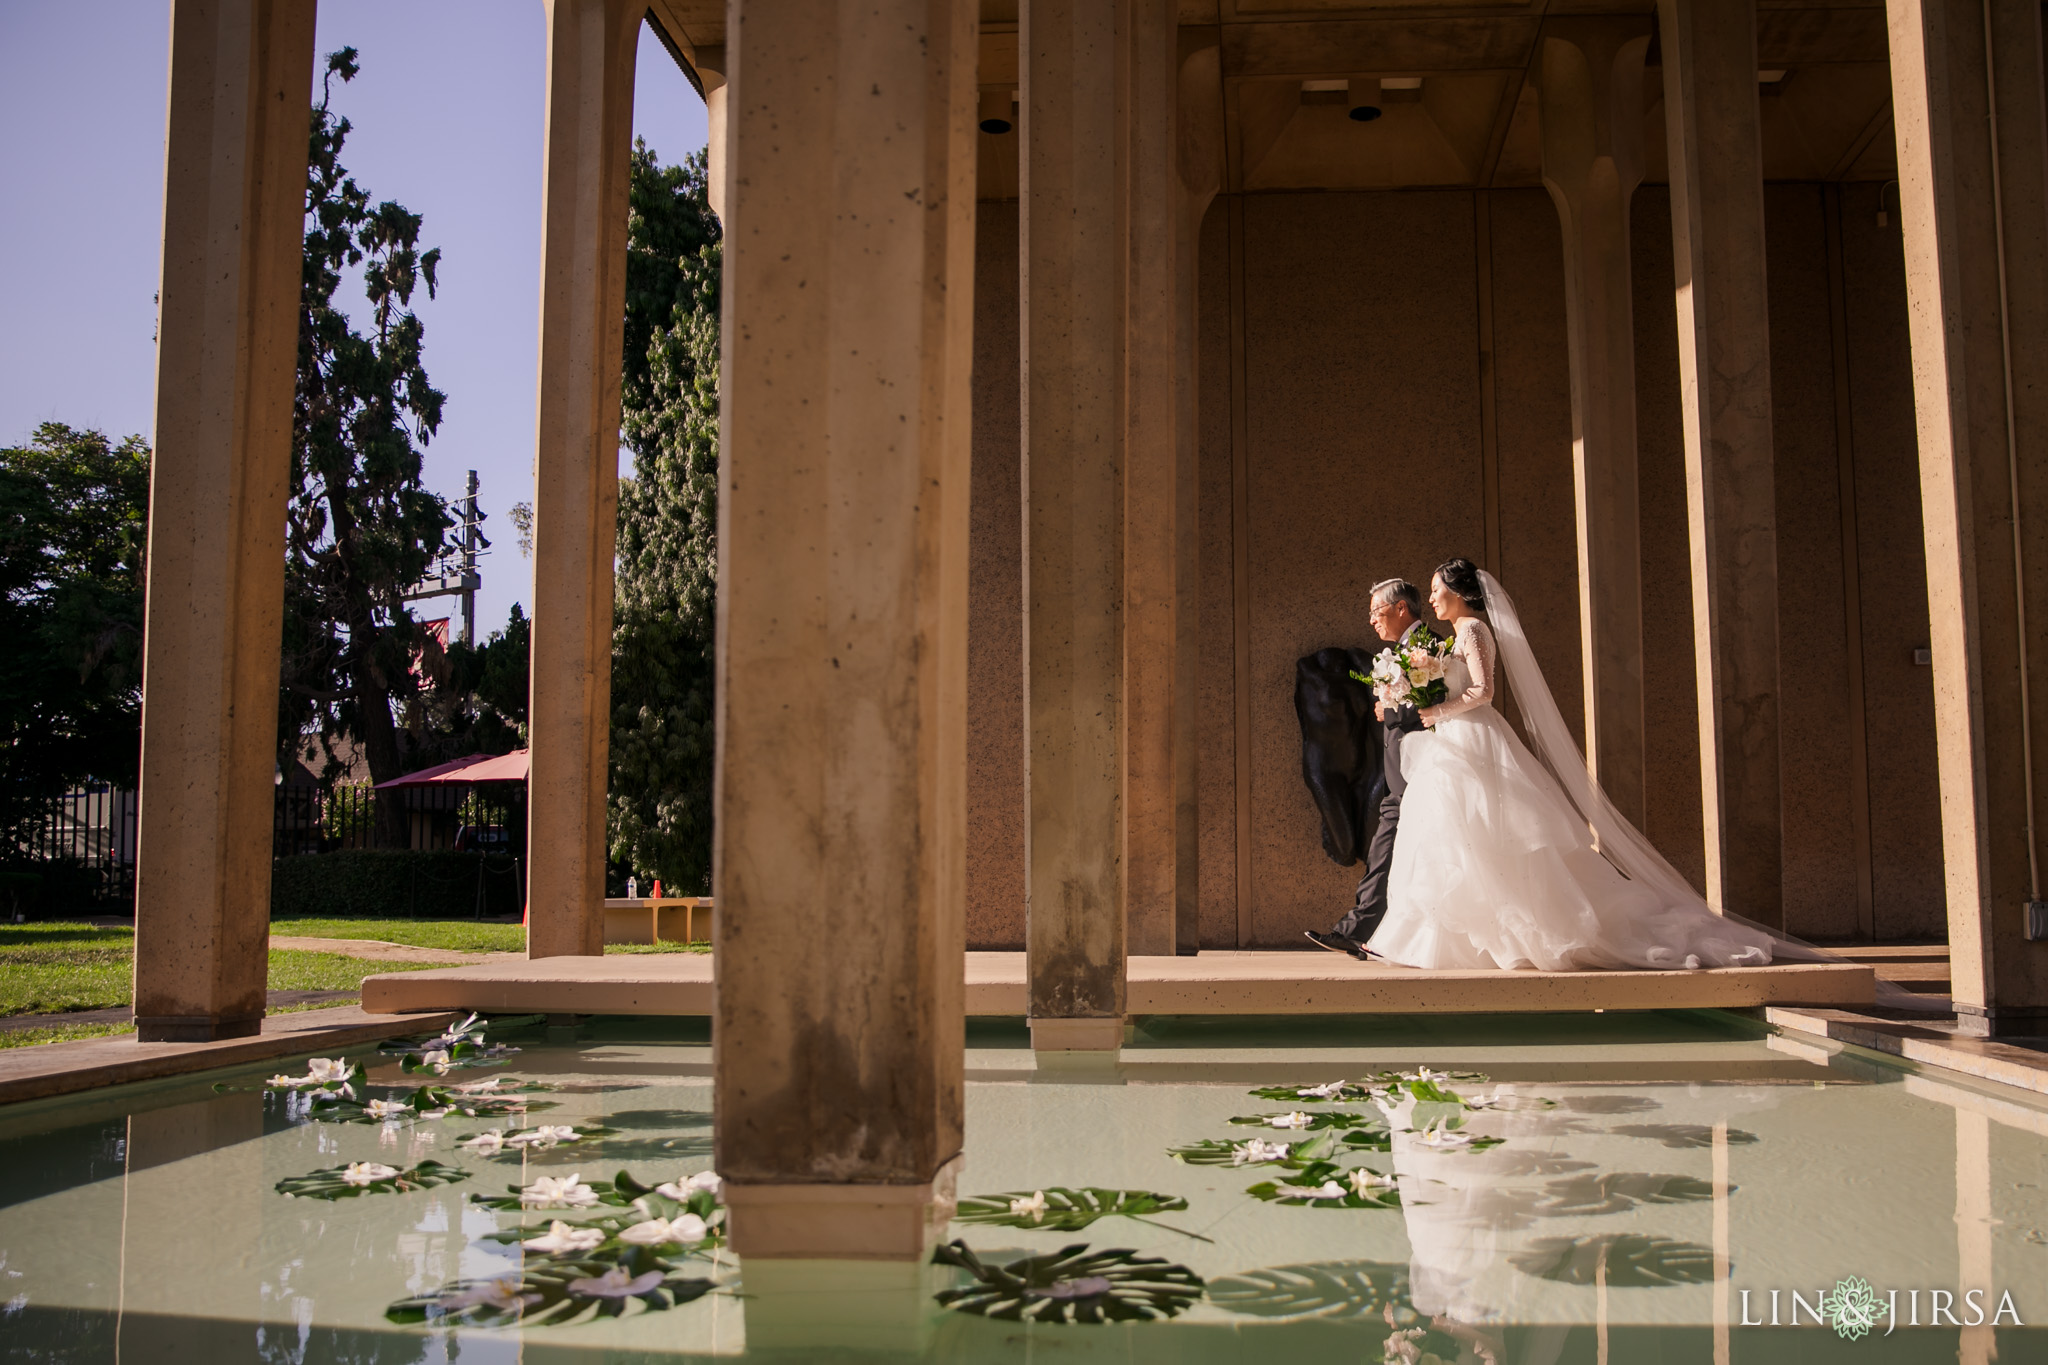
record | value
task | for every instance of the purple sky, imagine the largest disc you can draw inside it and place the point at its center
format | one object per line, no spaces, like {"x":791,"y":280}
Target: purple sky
{"x":447,"y":115}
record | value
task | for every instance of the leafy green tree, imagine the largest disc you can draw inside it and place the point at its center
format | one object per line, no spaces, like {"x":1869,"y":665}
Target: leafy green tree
{"x":663,"y":615}
{"x":361,"y":527}
{"x":74,"y":517}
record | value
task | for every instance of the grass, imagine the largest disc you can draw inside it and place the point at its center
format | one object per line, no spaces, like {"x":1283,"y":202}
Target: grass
{"x":461,"y":935}
{"x":61,"y":1033}
{"x":663,"y":947}
{"x":59,"y":968}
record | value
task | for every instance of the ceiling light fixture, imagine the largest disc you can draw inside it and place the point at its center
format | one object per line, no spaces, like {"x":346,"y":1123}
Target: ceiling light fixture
{"x":1364,"y":98}
{"x":995,"y":112}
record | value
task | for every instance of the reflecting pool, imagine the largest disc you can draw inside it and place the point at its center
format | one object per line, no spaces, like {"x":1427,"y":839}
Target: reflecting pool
{"x":1518,"y":1189}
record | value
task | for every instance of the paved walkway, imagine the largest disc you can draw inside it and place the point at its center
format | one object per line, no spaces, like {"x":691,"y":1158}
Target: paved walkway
{"x":377,"y":950}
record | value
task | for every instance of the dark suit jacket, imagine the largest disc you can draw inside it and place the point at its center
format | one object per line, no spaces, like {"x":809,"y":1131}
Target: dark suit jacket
{"x":1341,"y":748}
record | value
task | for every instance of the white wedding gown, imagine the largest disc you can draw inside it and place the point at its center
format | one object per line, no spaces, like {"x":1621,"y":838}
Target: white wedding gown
{"x":1494,"y":863}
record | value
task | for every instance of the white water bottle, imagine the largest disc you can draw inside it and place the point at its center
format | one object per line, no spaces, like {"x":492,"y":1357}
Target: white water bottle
{"x":632,"y":888}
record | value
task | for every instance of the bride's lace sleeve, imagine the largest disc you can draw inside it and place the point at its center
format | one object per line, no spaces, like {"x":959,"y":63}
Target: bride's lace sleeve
{"x":1475,"y":646}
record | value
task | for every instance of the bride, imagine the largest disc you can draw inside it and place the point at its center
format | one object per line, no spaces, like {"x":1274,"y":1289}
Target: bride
{"x":1495,"y":864}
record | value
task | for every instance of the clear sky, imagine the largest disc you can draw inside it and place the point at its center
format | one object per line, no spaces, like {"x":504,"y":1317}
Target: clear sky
{"x":447,"y":120}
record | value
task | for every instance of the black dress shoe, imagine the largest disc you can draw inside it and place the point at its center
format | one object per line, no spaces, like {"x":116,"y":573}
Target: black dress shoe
{"x":1336,"y":943}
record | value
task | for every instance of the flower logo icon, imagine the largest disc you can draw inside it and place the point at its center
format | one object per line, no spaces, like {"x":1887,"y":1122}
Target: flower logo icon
{"x":1853,"y":1308}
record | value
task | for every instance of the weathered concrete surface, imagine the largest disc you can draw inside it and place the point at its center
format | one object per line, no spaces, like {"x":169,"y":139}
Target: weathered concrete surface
{"x":1153,"y":512}
{"x":234,"y":201}
{"x":586,"y":171}
{"x":1073,"y":259}
{"x":843,"y":502}
{"x":31,"y":1073}
{"x":1973,"y":202}
{"x":1213,"y":983}
{"x":1724,"y":354}
{"x":1589,"y":76}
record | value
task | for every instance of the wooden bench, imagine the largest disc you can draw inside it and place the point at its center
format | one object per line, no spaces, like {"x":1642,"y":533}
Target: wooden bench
{"x":643,"y":919}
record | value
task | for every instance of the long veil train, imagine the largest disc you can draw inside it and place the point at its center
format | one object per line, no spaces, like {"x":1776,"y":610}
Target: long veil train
{"x":1618,"y":840}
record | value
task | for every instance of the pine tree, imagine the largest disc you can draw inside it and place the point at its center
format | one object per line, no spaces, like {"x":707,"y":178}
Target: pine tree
{"x":664,"y":610}
{"x":361,"y":528}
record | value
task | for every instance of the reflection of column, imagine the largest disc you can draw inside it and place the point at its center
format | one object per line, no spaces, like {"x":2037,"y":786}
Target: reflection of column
{"x":1974,"y":1221}
{"x":842,"y":654}
{"x":1590,"y":79}
{"x":1723,"y":1253}
{"x":1724,"y":359}
{"x":1072,"y":252}
{"x":234,"y":207}
{"x":1973,"y":195}
{"x":587,"y":168}
{"x":1154,"y":528}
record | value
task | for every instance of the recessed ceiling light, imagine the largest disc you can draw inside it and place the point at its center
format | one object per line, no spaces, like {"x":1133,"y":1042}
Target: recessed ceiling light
{"x":1771,"y":76}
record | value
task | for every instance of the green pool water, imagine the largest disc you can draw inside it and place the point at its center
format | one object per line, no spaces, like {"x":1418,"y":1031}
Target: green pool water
{"x":1643,"y":1188}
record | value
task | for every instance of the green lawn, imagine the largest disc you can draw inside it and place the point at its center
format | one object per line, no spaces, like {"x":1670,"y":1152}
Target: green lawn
{"x":461,"y":935}
{"x":58,"y":968}
{"x":666,"y":946}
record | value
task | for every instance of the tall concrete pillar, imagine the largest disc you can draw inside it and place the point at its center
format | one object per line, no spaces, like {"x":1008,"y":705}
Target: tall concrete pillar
{"x":227,"y":352}
{"x":586,"y":173}
{"x":1074,"y":230}
{"x":842,"y":628}
{"x":1590,"y":82}
{"x":710,"y":67}
{"x":1973,"y":203}
{"x":1724,"y":359}
{"x":1156,"y":598}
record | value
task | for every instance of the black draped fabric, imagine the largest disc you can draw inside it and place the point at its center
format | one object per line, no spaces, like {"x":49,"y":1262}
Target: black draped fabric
{"x":1341,"y":748}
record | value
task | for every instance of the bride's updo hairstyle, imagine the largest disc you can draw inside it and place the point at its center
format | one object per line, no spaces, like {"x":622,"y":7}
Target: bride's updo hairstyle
{"x":1461,"y":576}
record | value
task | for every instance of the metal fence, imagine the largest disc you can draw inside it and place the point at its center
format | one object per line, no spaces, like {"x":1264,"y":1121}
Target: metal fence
{"x":91,"y":829}
{"x":488,"y":819}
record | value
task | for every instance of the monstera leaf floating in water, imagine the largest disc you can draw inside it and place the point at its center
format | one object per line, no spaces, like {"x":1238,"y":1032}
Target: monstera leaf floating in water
{"x":1326,"y":1185}
{"x":1302,"y":1121}
{"x":1273,"y":1152}
{"x":685,"y":1215}
{"x":1619,"y":1191}
{"x":1094,"y":1287}
{"x":1337,"y":1092}
{"x":1059,"y":1209}
{"x":1326,"y":1289}
{"x":1624,"y":1260}
{"x":483,"y":1099}
{"x":604,"y":1283}
{"x":368,"y":1177}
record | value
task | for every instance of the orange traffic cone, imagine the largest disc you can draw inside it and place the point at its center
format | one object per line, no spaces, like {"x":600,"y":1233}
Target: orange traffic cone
{"x":657,"y":888}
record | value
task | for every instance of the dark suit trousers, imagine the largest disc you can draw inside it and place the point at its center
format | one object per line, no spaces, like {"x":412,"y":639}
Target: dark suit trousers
{"x":1369,"y":907}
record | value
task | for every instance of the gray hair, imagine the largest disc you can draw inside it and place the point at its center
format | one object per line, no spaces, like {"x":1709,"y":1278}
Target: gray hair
{"x":1390,"y":590}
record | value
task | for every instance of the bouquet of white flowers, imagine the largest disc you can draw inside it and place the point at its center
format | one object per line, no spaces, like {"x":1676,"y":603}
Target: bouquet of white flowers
{"x":1412,"y":672}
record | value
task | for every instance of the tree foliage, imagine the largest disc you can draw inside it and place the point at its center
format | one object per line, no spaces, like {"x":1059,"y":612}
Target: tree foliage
{"x":74,"y":512}
{"x":362,"y":528}
{"x":663,"y":615}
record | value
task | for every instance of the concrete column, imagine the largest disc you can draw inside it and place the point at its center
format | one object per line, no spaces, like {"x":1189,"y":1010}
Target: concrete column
{"x":1073,"y":230}
{"x":1590,"y":80}
{"x":842,"y":628}
{"x":227,"y":352}
{"x":1973,"y":204}
{"x":710,"y":67}
{"x":1724,"y":359}
{"x":1154,"y":594}
{"x":586,"y":173}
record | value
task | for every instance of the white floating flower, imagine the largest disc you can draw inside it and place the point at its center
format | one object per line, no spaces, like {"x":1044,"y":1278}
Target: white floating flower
{"x":1485,"y":1101}
{"x":562,"y":1237}
{"x":1330,"y":1190}
{"x":1297,"y":1119}
{"x":681,"y":1190}
{"x":387,"y":1109}
{"x":502,"y":1294}
{"x":1322,"y":1092}
{"x":1399,"y":1112}
{"x":1439,"y":1136}
{"x":546,"y":1135}
{"x":435,"y":1114}
{"x":566,"y":1192}
{"x":1258,"y":1149}
{"x":367,"y":1172}
{"x":329,"y":1070}
{"x":615,"y":1284}
{"x":1032,"y":1208}
{"x":436,"y":1061}
{"x":480,"y":1087}
{"x":688,"y":1230}
{"x":1364,"y":1182}
{"x":487,"y":1143}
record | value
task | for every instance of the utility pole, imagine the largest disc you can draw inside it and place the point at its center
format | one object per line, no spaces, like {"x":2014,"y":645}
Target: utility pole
{"x":455,"y":575}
